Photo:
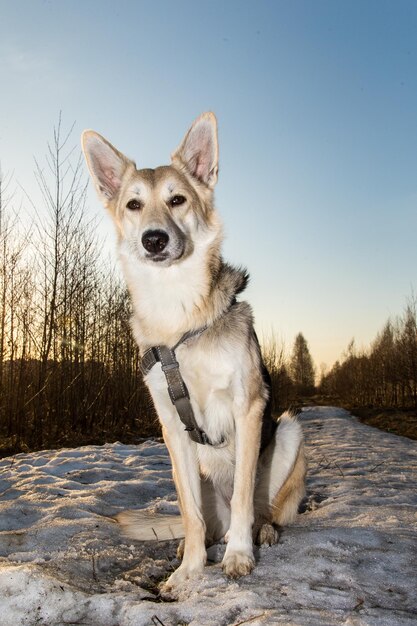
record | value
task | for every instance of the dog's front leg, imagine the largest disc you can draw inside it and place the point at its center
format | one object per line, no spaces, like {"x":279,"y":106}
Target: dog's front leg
{"x":238,"y":559}
{"x":187,"y":481}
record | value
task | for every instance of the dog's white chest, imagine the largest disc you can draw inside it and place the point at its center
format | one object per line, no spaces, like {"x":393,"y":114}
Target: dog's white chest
{"x":209,"y":379}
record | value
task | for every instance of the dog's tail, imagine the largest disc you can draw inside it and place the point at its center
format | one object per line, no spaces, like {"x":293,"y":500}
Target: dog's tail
{"x":281,"y":484}
{"x":145,"y":526}
{"x":288,"y":470}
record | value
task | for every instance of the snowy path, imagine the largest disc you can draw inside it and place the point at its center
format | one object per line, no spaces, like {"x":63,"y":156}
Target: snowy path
{"x":351,"y":558}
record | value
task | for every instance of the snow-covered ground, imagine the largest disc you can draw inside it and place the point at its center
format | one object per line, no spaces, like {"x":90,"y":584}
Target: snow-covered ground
{"x":349,"y":559}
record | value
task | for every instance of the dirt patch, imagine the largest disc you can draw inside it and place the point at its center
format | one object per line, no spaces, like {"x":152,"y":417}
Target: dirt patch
{"x":397,"y":421}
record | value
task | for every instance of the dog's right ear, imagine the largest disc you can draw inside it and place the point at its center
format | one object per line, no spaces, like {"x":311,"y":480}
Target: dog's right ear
{"x":106,"y":164}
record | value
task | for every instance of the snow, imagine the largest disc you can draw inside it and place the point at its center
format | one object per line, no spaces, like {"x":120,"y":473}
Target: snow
{"x":350,"y":558}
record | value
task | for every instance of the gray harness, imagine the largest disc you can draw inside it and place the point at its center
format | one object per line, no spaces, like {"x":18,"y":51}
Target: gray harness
{"x":177,"y":388}
{"x":180,"y":397}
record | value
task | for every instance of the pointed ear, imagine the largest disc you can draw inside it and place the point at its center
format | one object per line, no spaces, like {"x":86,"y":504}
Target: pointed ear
{"x":199,"y":151}
{"x":106,"y":164}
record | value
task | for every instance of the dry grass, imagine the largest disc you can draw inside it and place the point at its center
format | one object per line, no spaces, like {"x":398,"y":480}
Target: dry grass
{"x":397,"y":421}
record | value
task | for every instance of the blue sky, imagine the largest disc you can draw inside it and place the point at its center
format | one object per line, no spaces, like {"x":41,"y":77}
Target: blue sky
{"x":317,"y":110}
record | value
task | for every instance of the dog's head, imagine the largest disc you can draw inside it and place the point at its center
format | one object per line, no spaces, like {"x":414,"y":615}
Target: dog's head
{"x":161,"y":214}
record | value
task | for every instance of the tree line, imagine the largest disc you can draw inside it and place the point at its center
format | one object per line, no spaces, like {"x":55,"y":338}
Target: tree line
{"x":69,"y":367}
{"x":292,"y":375}
{"x":384,"y":374}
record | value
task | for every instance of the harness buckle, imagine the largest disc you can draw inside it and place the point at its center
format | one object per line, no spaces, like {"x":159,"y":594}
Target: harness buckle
{"x":206,"y":440}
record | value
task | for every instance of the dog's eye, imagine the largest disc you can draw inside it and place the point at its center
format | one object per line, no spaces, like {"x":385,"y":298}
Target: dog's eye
{"x":134,"y":205}
{"x":177,"y":200}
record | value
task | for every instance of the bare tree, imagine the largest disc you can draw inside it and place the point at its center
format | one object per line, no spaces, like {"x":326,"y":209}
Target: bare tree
{"x":301,"y":366}
{"x":276,"y":362}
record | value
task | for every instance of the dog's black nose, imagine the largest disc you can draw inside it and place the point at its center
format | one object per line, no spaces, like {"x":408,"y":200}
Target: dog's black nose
{"x":155,"y":241}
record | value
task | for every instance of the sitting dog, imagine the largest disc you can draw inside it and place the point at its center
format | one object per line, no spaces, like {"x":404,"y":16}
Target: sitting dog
{"x":238,"y":474}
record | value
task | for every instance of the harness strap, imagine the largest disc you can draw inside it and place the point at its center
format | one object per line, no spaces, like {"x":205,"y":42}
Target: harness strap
{"x":177,"y":388}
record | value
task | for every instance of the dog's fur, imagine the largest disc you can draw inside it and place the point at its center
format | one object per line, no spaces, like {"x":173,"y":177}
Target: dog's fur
{"x":180,"y":283}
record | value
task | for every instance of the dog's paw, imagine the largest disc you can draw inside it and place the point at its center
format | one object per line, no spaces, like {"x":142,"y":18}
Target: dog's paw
{"x":267,"y":535}
{"x":237,"y":564}
{"x":171,"y":588}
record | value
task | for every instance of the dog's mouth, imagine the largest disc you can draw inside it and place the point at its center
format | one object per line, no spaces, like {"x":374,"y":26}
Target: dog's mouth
{"x":157,"y":258}
{"x":165,"y":258}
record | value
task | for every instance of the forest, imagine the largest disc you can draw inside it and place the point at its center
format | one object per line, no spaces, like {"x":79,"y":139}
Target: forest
{"x":69,"y":368}
{"x":383,"y":375}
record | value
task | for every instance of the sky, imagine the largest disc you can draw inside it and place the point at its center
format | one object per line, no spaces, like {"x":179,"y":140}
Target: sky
{"x":317,"y":109}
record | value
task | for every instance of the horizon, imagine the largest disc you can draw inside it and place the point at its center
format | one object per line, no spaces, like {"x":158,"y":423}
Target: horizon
{"x":316,"y":108}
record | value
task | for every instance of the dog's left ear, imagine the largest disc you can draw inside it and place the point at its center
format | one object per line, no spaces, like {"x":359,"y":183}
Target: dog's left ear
{"x":199,"y":150}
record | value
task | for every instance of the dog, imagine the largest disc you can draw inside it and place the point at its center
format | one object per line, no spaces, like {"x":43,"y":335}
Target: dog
{"x":238,"y":475}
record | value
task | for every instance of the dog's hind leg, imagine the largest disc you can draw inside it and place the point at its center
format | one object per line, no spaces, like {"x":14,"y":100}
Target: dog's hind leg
{"x":281,"y":481}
